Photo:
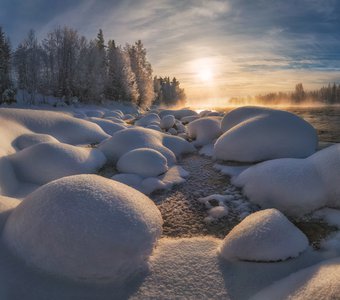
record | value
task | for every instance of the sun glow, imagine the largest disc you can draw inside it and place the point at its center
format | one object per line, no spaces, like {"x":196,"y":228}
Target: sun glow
{"x":205,"y":75}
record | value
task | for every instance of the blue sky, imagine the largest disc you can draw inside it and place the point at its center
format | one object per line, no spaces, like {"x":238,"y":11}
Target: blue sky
{"x":246,"y":47}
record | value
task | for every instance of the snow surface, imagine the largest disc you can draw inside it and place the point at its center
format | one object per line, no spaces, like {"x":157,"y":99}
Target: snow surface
{"x":295,"y":186}
{"x":175,"y":175}
{"x":265,"y":235}
{"x":144,"y":162}
{"x":321,"y":281}
{"x":85,"y":228}
{"x":204,"y":130}
{"x":254,"y":134}
{"x":42,"y":163}
{"x":7,"y":205}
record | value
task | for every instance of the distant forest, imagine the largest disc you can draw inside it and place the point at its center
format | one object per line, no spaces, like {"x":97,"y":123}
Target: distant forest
{"x":329,"y":94}
{"x":68,"y":66}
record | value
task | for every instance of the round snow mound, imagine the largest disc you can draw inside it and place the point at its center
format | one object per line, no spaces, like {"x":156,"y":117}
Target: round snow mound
{"x":167,"y":122}
{"x":85,"y":228}
{"x":144,"y":162}
{"x":204,"y":130}
{"x":29,"y":139}
{"x":266,"y":235}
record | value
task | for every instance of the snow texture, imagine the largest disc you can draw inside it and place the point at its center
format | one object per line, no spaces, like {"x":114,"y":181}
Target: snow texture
{"x":143,"y":161}
{"x":254,"y":134}
{"x":265,"y":235}
{"x":321,"y":281}
{"x":45,"y":162}
{"x":204,"y":130}
{"x":85,"y":228}
{"x":295,"y":186}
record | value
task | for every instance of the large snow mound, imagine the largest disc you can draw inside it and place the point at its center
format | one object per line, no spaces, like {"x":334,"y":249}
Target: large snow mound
{"x":144,"y":162}
{"x":42,"y":163}
{"x":61,"y":126}
{"x":295,"y":186}
{"x":265,"y":235}
{"x":86,"y":228}
{"x":204,"y":130}
{"x":255,"y":134}
{"x":129,"y":139}
{"x":321,"y":281}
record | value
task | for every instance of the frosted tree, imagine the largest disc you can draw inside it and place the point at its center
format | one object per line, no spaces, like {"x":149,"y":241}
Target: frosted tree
{"x":5,"y":57}
{"x":121,"y":80}
{"x":143,"y":72}
{"x":168,"y":92}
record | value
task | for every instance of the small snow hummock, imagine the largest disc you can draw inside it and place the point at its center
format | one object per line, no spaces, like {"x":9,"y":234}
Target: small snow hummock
{"x":321,"y":281}
{"x":253,"y":134}
{"x":29,"y":139}
{"x":143,"y":161}
{"x":167,"y":122}
{"x":148,"y":119}
{"x":204,"y":130}
{"x":265,"y":235}
{"x":42,"y":163}
{"x":85,"y":228}
{"x":178,"y":113}
{"x":108,"y":126}
{"x":295,"y":186}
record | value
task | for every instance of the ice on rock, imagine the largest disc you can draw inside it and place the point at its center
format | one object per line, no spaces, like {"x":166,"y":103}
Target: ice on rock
{"x":42,"y":163}
{"x":61,"y":126}
{"x":295,"y":186}
{"x":265,"y":235}
{"x":29,"y":139}
{"x":133,"y":138}
{"x":204,"y":130}
{"x":108,"y":126}
{"x":85,"y":228}
{"x":254,"y":134}
{"x":143,"y":161}
{"x":147,"y":120}
{"x":321,"y":281}
{"x":167,"y":122}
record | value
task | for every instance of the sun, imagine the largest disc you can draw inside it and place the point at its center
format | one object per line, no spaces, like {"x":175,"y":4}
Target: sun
{"x":205,"y":75}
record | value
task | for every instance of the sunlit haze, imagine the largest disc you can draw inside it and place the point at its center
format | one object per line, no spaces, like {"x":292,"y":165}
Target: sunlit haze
{"x":217,"y":49}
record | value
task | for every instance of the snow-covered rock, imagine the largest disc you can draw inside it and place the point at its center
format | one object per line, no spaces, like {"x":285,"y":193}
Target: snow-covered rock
{"x":63,"y":127}
{"x":154,"y":127}
{"x":42,"y":163}
{"x":255,"y":134}
{"x":172,"y":131}
{"x":167,"y":122}
{"x":321,"y":281}
{"x":188,"y":119}
{"x":86,"y":228}
{"x":7,"y":205}
{"x":108,"y":126}
{"x":265,"y":235}
{"x":30,"y":139}
{"x":147,"y":120}
{"x":143,"y":161}
{"x":178,"y":113}
{"x":94,"y":113}
{"x":295,"y":186}
{"x":204,"y":130}
{"x":133,"y":138}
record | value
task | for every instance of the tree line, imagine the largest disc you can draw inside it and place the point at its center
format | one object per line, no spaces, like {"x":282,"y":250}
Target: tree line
{"x":70,"y":67}
{"x":329,"y":94}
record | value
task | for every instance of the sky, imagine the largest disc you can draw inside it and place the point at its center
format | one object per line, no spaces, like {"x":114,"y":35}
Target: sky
{"x":217,"y":49}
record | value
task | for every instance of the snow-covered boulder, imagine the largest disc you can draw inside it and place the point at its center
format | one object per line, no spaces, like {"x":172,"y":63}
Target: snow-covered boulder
{"x":172,"y":131}
{"x":321,"y":281}
{"x":147,"y":120}
{"x":143,"y":161}
{"x":7,"y":205}
{"x":85,"y":228}
{"x":188,"y":119}
{"x":265,"y":235}
{"x":108,"y":126}
{"x":294,"y":186}
{"x":63,"y":127}
{"x":204,"y":130}
{"x":154,"y":127}
{"x":167,"y":122}
{"x":42,"y":163}
{"x":255,"y":134}
{"x":94,"y":113}
{"x":178,"y":113}
{"x":30,"y":139}
{"x":114,"y":113}
{"x":133,"y":138}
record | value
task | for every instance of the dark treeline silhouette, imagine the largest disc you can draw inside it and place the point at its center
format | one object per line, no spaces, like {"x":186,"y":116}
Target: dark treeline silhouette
{"x":168,"y":92}
{"x":329,"y":94}
{"x":67,"y":66}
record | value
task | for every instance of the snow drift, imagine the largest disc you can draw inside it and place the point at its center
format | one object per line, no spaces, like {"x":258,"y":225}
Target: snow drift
{"x":85,"y":228}
{"x":254,"y":134}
